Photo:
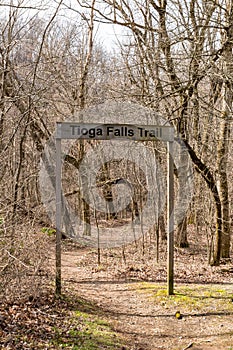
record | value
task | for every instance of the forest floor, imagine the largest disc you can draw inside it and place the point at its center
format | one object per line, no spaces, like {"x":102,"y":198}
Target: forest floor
{"x":121,"y":302}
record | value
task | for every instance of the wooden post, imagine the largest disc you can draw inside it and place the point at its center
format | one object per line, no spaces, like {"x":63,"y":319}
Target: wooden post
{"x":58,"y":216}
{"x":170,"y":219}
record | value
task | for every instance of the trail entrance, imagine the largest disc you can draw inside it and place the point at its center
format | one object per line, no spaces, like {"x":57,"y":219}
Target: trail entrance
{"x":122,"y":132}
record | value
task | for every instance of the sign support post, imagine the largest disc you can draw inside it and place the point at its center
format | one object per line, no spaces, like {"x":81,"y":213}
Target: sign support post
{"x":170,"y":219}
{"x":58,"y":216}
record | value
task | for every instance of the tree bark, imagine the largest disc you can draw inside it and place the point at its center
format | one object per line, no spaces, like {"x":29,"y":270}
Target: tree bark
{"x":224,"y":130}
{"x":222,"y":157}
{"x":211,"y":183}
{"x":82,"y":104}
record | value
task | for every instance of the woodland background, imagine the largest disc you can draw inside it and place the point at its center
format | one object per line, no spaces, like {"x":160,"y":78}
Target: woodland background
{"x":174,"y":57}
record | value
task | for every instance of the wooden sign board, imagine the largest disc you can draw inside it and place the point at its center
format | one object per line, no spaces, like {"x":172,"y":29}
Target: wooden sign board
{"x":114,"y":131}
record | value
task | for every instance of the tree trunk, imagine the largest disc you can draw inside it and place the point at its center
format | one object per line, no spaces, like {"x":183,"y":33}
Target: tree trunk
{"x":182,"y":237}
{"x":224,"y":131}
{"x":182,"y":200}
{"x":162,"y":227}
{"x":82,"y":104}
{"x":210,"y":181}
{"x":222,"y":159}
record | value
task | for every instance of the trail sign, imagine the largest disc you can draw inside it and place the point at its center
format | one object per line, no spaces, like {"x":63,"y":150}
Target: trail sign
{"x":114,"y":131}
{"x":73,"y":130}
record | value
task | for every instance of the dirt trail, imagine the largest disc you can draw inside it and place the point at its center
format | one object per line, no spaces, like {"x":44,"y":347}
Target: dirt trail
{"x":146,"y":325}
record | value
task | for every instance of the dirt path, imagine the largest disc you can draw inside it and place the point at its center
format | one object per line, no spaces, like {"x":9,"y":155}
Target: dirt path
{"x":145,"y":324}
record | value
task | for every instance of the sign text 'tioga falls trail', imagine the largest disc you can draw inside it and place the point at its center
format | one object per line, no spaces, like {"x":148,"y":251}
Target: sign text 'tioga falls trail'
{"x":114,"y":131}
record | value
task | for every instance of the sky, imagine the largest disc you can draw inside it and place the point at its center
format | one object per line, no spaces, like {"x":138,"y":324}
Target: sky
{"x":108,"y":35}
{"x":105,"y":33}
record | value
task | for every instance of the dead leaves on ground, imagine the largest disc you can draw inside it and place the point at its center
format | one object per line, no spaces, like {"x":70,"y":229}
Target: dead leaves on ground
{"x":50,"y":323}
{"x":30,"y":324}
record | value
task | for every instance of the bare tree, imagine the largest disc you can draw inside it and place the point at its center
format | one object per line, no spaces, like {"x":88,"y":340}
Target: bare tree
{"x":172,"y":52}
